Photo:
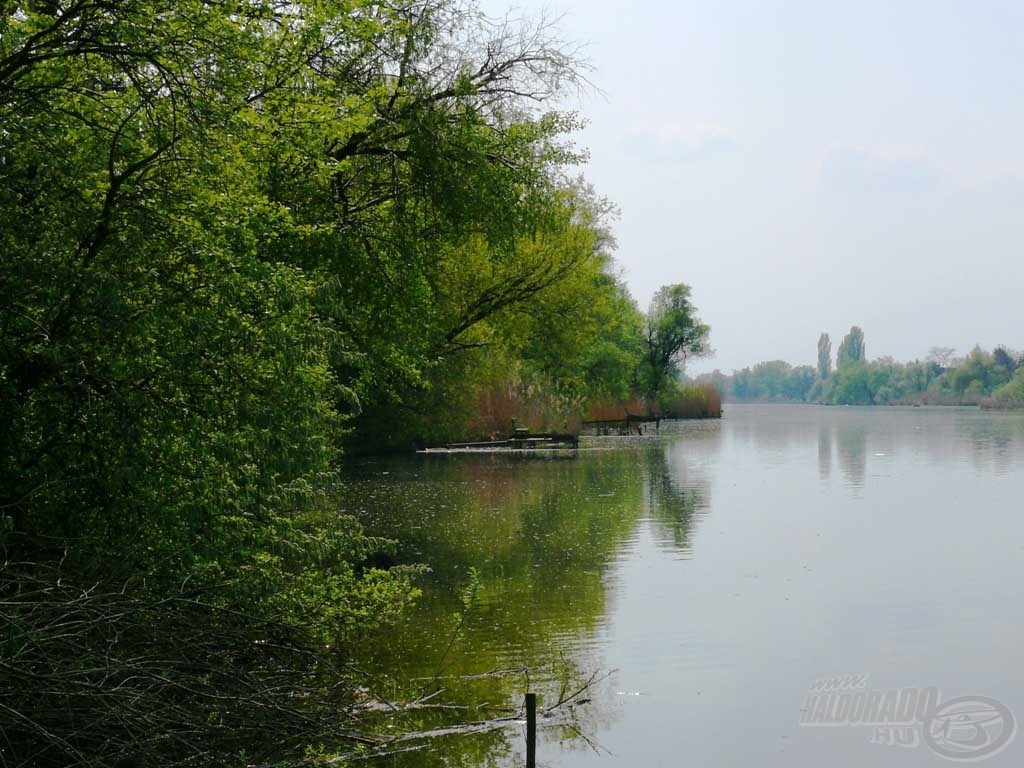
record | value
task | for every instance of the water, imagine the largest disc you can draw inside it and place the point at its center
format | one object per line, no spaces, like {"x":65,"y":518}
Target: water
{"x":717,"y":570}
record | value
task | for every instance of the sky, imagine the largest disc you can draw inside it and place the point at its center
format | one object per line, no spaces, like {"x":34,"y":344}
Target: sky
{"x":808,"y":166}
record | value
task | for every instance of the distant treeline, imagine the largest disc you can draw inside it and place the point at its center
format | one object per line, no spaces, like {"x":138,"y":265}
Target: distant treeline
{"x":989,"y":378}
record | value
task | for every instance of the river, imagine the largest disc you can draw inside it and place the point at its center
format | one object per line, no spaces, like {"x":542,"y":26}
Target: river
{"x":707,"y":576}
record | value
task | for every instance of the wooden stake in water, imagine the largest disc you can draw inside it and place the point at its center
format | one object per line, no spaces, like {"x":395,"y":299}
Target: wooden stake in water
{"x":531,"y":730}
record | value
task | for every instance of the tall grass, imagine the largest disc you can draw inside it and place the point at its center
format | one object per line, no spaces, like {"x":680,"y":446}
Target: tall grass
{"x":692,"y":402}
{"x":607,"y":409}
{"x":496,"y":411}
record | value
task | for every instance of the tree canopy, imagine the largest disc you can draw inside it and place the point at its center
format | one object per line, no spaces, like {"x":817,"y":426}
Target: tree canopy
{"x":851,"y":348}
{"x":824,"y":356}
{"x":672,"y":334}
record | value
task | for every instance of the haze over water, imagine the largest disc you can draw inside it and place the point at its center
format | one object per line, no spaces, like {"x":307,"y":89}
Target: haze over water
{"x":720,"y":568}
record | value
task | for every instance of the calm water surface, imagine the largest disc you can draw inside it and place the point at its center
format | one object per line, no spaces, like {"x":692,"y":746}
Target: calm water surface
{"x":716,"y":569}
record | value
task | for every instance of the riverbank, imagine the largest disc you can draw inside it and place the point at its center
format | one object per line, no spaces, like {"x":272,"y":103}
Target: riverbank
{"x":993,"y":404}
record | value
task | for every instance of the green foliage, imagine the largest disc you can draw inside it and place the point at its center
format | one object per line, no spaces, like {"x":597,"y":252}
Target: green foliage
{"x":824,"y":356}
{"x":857,"y":381}
{"x":573,"y":340}
{"x":851,"y":349}
{"x":672,"y":333}
{"x":854,"y":384}
{"x":979,"y":373}
{"x":1012,"y":392}
{"x":226,"y":233}
{"x":772,"y":380}
{"x":886,"y":382}
{"x":170,"y":397}
{"x":1008,"y":360}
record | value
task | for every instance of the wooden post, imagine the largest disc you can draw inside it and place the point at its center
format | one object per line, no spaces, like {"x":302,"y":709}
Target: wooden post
{"x":531,"y":730}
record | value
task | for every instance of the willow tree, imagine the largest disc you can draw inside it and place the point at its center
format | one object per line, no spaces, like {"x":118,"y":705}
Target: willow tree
{"x":672,"y":334}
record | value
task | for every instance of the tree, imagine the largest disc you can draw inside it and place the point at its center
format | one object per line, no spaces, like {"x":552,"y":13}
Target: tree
{"x":851,"y":349}
{"x":1012,"y":393}
{"x":824,"y":356}
{"x":1005,"y":358}
{"x":978,"y":374}
{"x":672,"y":334}
{"x":852,"y":384}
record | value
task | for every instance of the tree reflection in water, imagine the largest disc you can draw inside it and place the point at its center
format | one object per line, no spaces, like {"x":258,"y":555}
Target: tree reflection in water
{"x":541,"y":532}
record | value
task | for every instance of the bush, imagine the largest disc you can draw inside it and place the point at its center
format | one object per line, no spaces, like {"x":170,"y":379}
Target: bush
{"x":1010,"y":395}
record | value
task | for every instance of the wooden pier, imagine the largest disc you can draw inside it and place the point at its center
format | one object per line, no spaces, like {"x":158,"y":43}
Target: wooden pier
{"x":627,"y":426}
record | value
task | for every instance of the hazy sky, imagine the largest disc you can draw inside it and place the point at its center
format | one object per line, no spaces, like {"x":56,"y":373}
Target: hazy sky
{"x":807,"y":166}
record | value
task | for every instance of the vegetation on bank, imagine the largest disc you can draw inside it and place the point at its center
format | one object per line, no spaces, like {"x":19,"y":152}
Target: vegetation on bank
{"x":234,"y":235}
{"x":636,"y":369}
{"x":991,"y":379}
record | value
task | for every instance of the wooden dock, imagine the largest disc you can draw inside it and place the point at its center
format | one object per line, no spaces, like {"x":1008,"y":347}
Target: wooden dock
{"x":627,"y":426}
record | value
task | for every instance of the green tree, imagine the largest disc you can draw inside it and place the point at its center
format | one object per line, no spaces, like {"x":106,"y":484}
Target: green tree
{"x":1010,"y":361}
{"x":851,"y":349}
{"x":853,"y":384}
{"x":824,"y":356}
{"x":672,"y":334}
{"x":977,"y":375}
{"x":1012,"y":393}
